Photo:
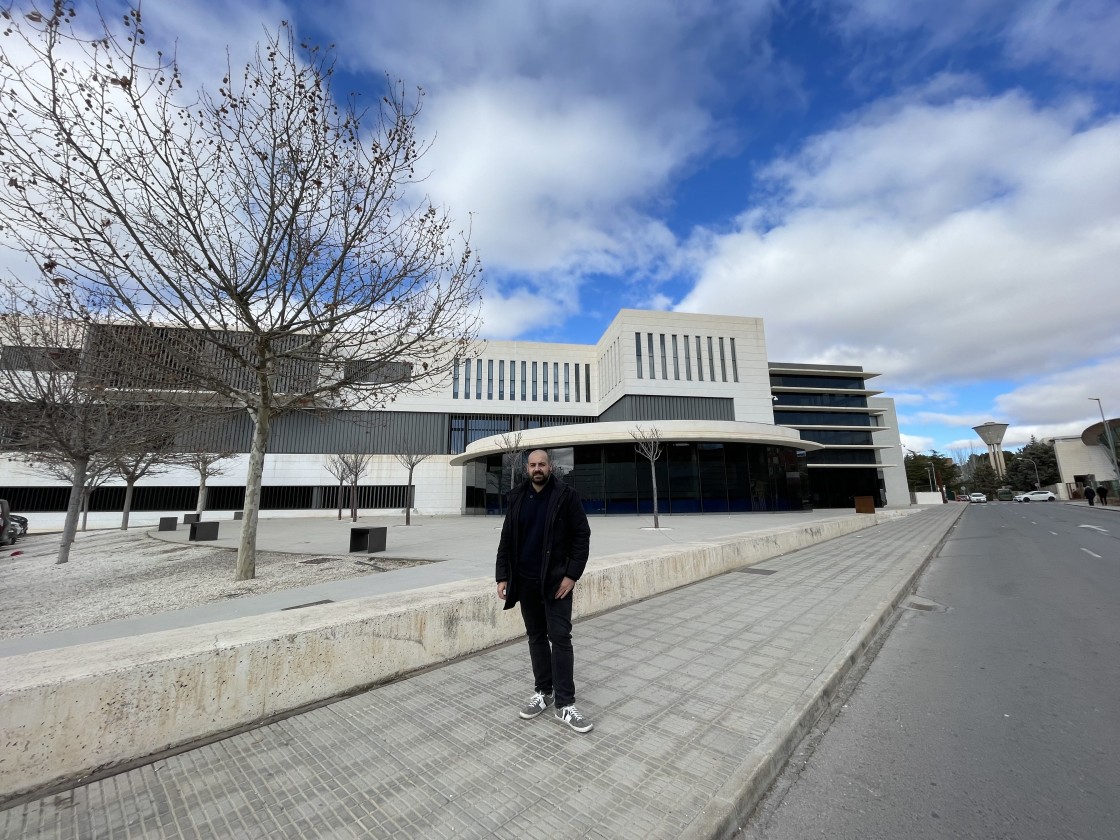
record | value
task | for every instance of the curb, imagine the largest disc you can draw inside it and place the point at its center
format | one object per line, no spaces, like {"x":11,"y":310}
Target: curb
{"x":729,"y":810}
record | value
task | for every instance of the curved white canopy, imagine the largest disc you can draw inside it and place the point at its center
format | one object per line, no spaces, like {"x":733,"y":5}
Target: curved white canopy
{"x":672,"y":431}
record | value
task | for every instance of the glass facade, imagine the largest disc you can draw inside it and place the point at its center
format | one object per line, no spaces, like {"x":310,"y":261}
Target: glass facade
{"x":822,"y":400}
{"x":809,"y":381}
{"x":691,"y":478}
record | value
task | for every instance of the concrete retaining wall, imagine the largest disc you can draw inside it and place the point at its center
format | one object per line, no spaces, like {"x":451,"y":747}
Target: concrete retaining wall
{"x":69,"y":712}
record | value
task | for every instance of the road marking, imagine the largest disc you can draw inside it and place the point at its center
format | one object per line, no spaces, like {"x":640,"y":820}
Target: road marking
{"x":1091,"y":554}
{"x":1055,"y":533}
{"x":1095,"y":528}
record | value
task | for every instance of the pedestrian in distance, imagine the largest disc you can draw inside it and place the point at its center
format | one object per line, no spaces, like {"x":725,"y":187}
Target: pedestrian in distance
{"x":541,"y":554}
{"x":1102,"y":494}
{"x":1089,"y":494}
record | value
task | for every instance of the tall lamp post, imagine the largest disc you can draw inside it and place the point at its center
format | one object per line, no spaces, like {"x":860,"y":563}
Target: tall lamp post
{"x":1108,"y":435}
{"x":1037,"y":483}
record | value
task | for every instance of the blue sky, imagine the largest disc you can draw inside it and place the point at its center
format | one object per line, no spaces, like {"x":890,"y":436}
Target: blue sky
{"x":930,"y":188}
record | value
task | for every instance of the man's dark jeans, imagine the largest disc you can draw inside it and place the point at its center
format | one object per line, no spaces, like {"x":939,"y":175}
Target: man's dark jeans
{"x":548,"y":622}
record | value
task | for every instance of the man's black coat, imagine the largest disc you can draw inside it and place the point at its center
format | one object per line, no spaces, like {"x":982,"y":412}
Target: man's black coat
{"x":567,"y":541}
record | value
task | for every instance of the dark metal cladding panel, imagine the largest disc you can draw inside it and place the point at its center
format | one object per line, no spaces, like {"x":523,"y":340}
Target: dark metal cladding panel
{"x":644,"y":408}
{"x":325,"y":432}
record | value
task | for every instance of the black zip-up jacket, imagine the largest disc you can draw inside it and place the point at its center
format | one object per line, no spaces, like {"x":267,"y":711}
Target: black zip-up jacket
{"x":567,"y":541}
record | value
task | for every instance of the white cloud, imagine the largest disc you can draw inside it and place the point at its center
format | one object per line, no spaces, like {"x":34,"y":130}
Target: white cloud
{"x":561,"y":128}
{"x":916,"y":443}
{"x":1071,"y":37}
{"x":935,"y":243}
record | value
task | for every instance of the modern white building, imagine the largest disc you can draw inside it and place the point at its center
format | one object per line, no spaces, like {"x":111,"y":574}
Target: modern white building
{"x":739,"y":432}
{"x":1086,"y":459}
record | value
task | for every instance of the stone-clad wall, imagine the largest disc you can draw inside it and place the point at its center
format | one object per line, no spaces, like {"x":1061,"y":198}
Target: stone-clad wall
{"x":69,"y":712}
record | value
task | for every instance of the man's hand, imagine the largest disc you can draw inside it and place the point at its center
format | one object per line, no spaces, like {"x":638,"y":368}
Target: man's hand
{"x":502,"y":589}
{"x":566,"y":587}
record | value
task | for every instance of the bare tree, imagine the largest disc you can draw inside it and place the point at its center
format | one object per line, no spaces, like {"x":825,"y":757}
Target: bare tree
{"x":207,"y":465}
{"x":261,"y":241}
{"x":98,"y":470}
{"x":133,"y":466}
{"x":410,"y":459}
{"x":339,"y":469}
{"x":648,"y":445}
{"x":349,"y":469}
{"x":510,"y":443}
{"x":53,"y":413}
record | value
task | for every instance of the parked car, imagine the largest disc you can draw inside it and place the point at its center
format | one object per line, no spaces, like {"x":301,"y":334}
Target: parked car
{"x":12,"y":527}
{"x":1036,"y":496}
{"x":977,"y":498}
{"x":20,"y":522}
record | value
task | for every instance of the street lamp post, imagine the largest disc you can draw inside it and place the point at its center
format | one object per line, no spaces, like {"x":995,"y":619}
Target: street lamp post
{"x":1037,"y":483}
{"x":1108,"y":435}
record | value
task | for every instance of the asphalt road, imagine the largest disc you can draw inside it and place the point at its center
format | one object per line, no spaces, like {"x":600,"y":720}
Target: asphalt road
{"x":998,"y":717}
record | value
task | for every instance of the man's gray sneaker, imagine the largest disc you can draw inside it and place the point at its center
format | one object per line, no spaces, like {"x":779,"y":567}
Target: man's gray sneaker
{"x":574,"y":718}
{"x":537,"y":704}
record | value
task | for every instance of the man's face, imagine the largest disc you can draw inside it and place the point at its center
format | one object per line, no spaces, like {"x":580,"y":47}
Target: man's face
{"x":539,"y":467}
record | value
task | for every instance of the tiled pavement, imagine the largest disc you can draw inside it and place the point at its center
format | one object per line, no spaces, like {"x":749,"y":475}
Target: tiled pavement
{"x":693,"y":694}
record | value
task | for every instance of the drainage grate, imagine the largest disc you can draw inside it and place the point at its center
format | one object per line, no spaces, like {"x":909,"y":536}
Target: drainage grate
{"x":925,"y":605}
{"x":311,"y":604}
{"x":315,"y":561}
{"x":751,"y":570}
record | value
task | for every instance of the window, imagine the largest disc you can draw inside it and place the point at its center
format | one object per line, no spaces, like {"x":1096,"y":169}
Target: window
{"x":676,"y":361}
{"x":577,"y":381}
{"x":534,"y":381}
{"x":587,"y":381}
{"x":467,"y":380}
{"x":734,"y":362}
{"x":664,"y":360}
{"x":711,"y":360}
{"x":567,"y":392}
{"x":455,"y":381}
{"x":478,"y":380}
{"x":556,"y":381}
{"x":699,"y":360}
{"x":544,"y":379}
{"x":687,"y":361}
{"x":722,"y":361}
{"x":638,"y":352}
{"x":652,"y":368}
{"x":512,"y":379}
{"x":489,"y":379}
{"x":502,"y":379}
{"x":523,"y":378}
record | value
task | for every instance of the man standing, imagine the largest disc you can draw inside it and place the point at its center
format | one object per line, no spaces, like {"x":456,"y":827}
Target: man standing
{"x":1089,"y":494}
{"x":541,"y":554}
{"x":1102,"y":494}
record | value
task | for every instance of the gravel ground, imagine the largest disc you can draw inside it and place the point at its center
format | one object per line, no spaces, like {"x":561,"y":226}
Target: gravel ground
{"x":119,"y":574}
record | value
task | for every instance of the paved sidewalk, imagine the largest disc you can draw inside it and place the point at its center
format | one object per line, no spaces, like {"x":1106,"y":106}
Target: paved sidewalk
{"x":698,"y":695}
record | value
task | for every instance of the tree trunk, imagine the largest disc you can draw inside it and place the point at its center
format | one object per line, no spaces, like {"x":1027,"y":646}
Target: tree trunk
{"x":85,"y":507}
{"x":354,"y":501}
{"x":341,"y":485}
{"x":129,"y":485}
{"x":653,"y":476}
{"x":408,"y":499}
{"x":200,"y":503}
{"x":73,"y":508}
{"x":247,"y":546}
